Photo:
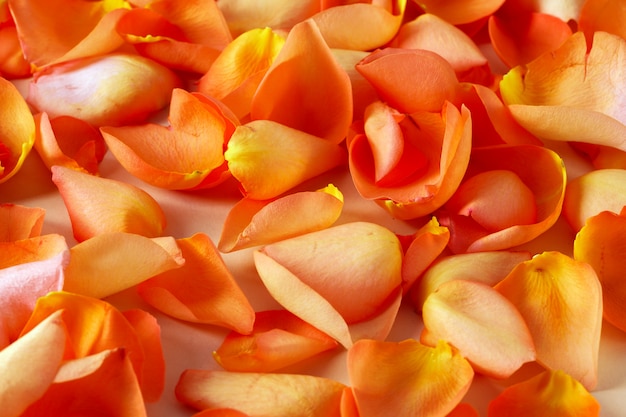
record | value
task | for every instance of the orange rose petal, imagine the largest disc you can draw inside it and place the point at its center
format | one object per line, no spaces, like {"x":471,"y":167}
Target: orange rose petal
{"x":69,"y":142}
{"x":482,"y":324}
{"x":602,"y":16}
{"x":17,"y":130}
{"x":33,"y":249}
{"x":20,"y":222}
{"x":202,"y":290}
{"x":260,"y":394}
{"x":407,"y":378}
{"x":103,"y":383}
{"x":553,"y":393}
{"x":30,"y":364}
{"x":278,"y":339}
{"x":600,"y":243}
{"x":221,"y":412}
{"x":115,"y":89}
{"x":363,"y":93}
{"x":360,"y":26}
{"x":21,"y":285}
{"x":254,"y":223}
{"x":348,"y":404}
{"x":463,"y":410}
{"x":561,"y":302}
{"x":592,"y":193}
{"x":12,"y":62}
{"x":187,"y":155}
{"x":461,"y":11}
{"x":268,"y":158}
{"x":305,"y":88}
{"x":99,"y":205}
{"x":486,"y":267}
{"x":389,"y":70}
{"x":311,"y":280}
{"x":112,"y":262}
{"x":236,"y":73}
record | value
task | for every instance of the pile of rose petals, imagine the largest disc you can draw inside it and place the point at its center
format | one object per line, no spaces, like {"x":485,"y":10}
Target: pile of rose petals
{"x":459,"y":163}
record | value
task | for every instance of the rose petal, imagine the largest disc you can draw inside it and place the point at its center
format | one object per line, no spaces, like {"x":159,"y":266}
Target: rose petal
{"x":20,"y":222}
{"x":461,"y":11}
{"x":37,"y":248}
{"x":12,"y":62}
{"x":602,"y":16}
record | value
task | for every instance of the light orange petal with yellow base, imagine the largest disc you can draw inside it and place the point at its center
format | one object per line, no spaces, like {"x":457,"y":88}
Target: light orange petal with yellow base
{"x":17,"y":130}
{"x":260,"y":222}
{"x":278,"y":339}
{"x":461,"y":11}
{"x":482,"y":324}
{"x":260,"y":394}
{"x":202,"y":290}
{"x":407,"y":378}
{"x":20,"y":222}
{"x":561,"y":301}
{"x":33,"y":249}
{"x":553,"y":393}
{"x":310,"y":274}
{"x":305,"y":88}
{"x":600,"y":243}
{"x":98,"y":205}
{"x":112,"y":262}
{"x":30,"y":364}
{"x":268,"y":158}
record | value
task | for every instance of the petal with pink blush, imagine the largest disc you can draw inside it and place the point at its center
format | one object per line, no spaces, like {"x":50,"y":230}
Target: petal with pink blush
{"x":310,"y":275}
{"x":112,"y":262}
{"x":202,"y":290}
{"x":461,"y":11}
{"x":254,"y":222}
{"x":407,"y":378}
{"x":98,"y":205}
{"x":278,"y":339}
{"x":260,"y":394}
{"x":482,"y":324}
{"x":268,"y":158}
{"x":561,"y":301}
{"x":20,"y":222}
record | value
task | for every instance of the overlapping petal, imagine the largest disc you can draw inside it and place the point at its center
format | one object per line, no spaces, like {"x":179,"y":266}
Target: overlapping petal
{"x":12,"y":62}
{"x":461,"y":11}
{"x":602,"y":15}
{"x":20,"y":222}
{"x":311,"y":274}
{"x":98,"y":205}
{"x":407,"y":378}
{"x":561,"y":301}
{"x":200,"y":291}
{"x":189,"y":154}
{"x":260,"y":222}
{"x":278,"y":339}
{"x":32,"y":249}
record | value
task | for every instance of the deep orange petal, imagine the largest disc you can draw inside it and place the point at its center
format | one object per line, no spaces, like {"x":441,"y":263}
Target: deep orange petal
{"x":20,"y":222}
{"x":12,"y":62}
{"x":603,"y":15}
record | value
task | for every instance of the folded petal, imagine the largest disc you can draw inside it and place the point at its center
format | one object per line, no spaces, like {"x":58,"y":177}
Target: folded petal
{"x":278,"y":339}
{"x":189,"y":154}
{"x":460,"y":11}
{"x":12,"y":62}
{"x":260,"y":222}
{"x":268,"y":158}
{"x":407,"y":378}
{"x":112,"y":89}
{"x":260,"y":394}
{"x":553,"y":393}
{"x":20,"y":222}
{"x":202,"y":290}
{"x":99,"y":205}
{"x":561,"y":302}
{"x":112,"y":262}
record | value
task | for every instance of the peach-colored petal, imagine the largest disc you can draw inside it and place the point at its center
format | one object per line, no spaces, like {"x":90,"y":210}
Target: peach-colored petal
{"x":600,"y":243}
{"x":236,"y":73}
{"x":487,"y":267}
{"x":407,"y":378}
{"x":602,"y":15}
{"x":202,"y":290}
{"x":111,"y":89}
{"x":305,"y":88}
{"x":17,"y":130}
{"x":268,"y":158}
{"x":561,"y":302}
{"x":460,"y":11}
{"x":310,"y":275}
{"x":30,"y":364}
{"x":553,"y":393}
{"x":260,"y":394}
{"x":21,"y":286}
{"x":254,"y":223}
{"x":481,"y":323}
{"x":112,"y":262}
{"x":278,"y":339}
{"x":12,"y":62}
{"x":592,"y":193}
{"x":99,"y":384}
{"x":187,"y":155}
{"x":360,"y":26}
{"x":363,"y":93}
{"x":99,"y":205}
{"x":20,"y":222}
{"x":33,"y":249}
{"x":70,"y":142}
{"x":390,"y":70}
